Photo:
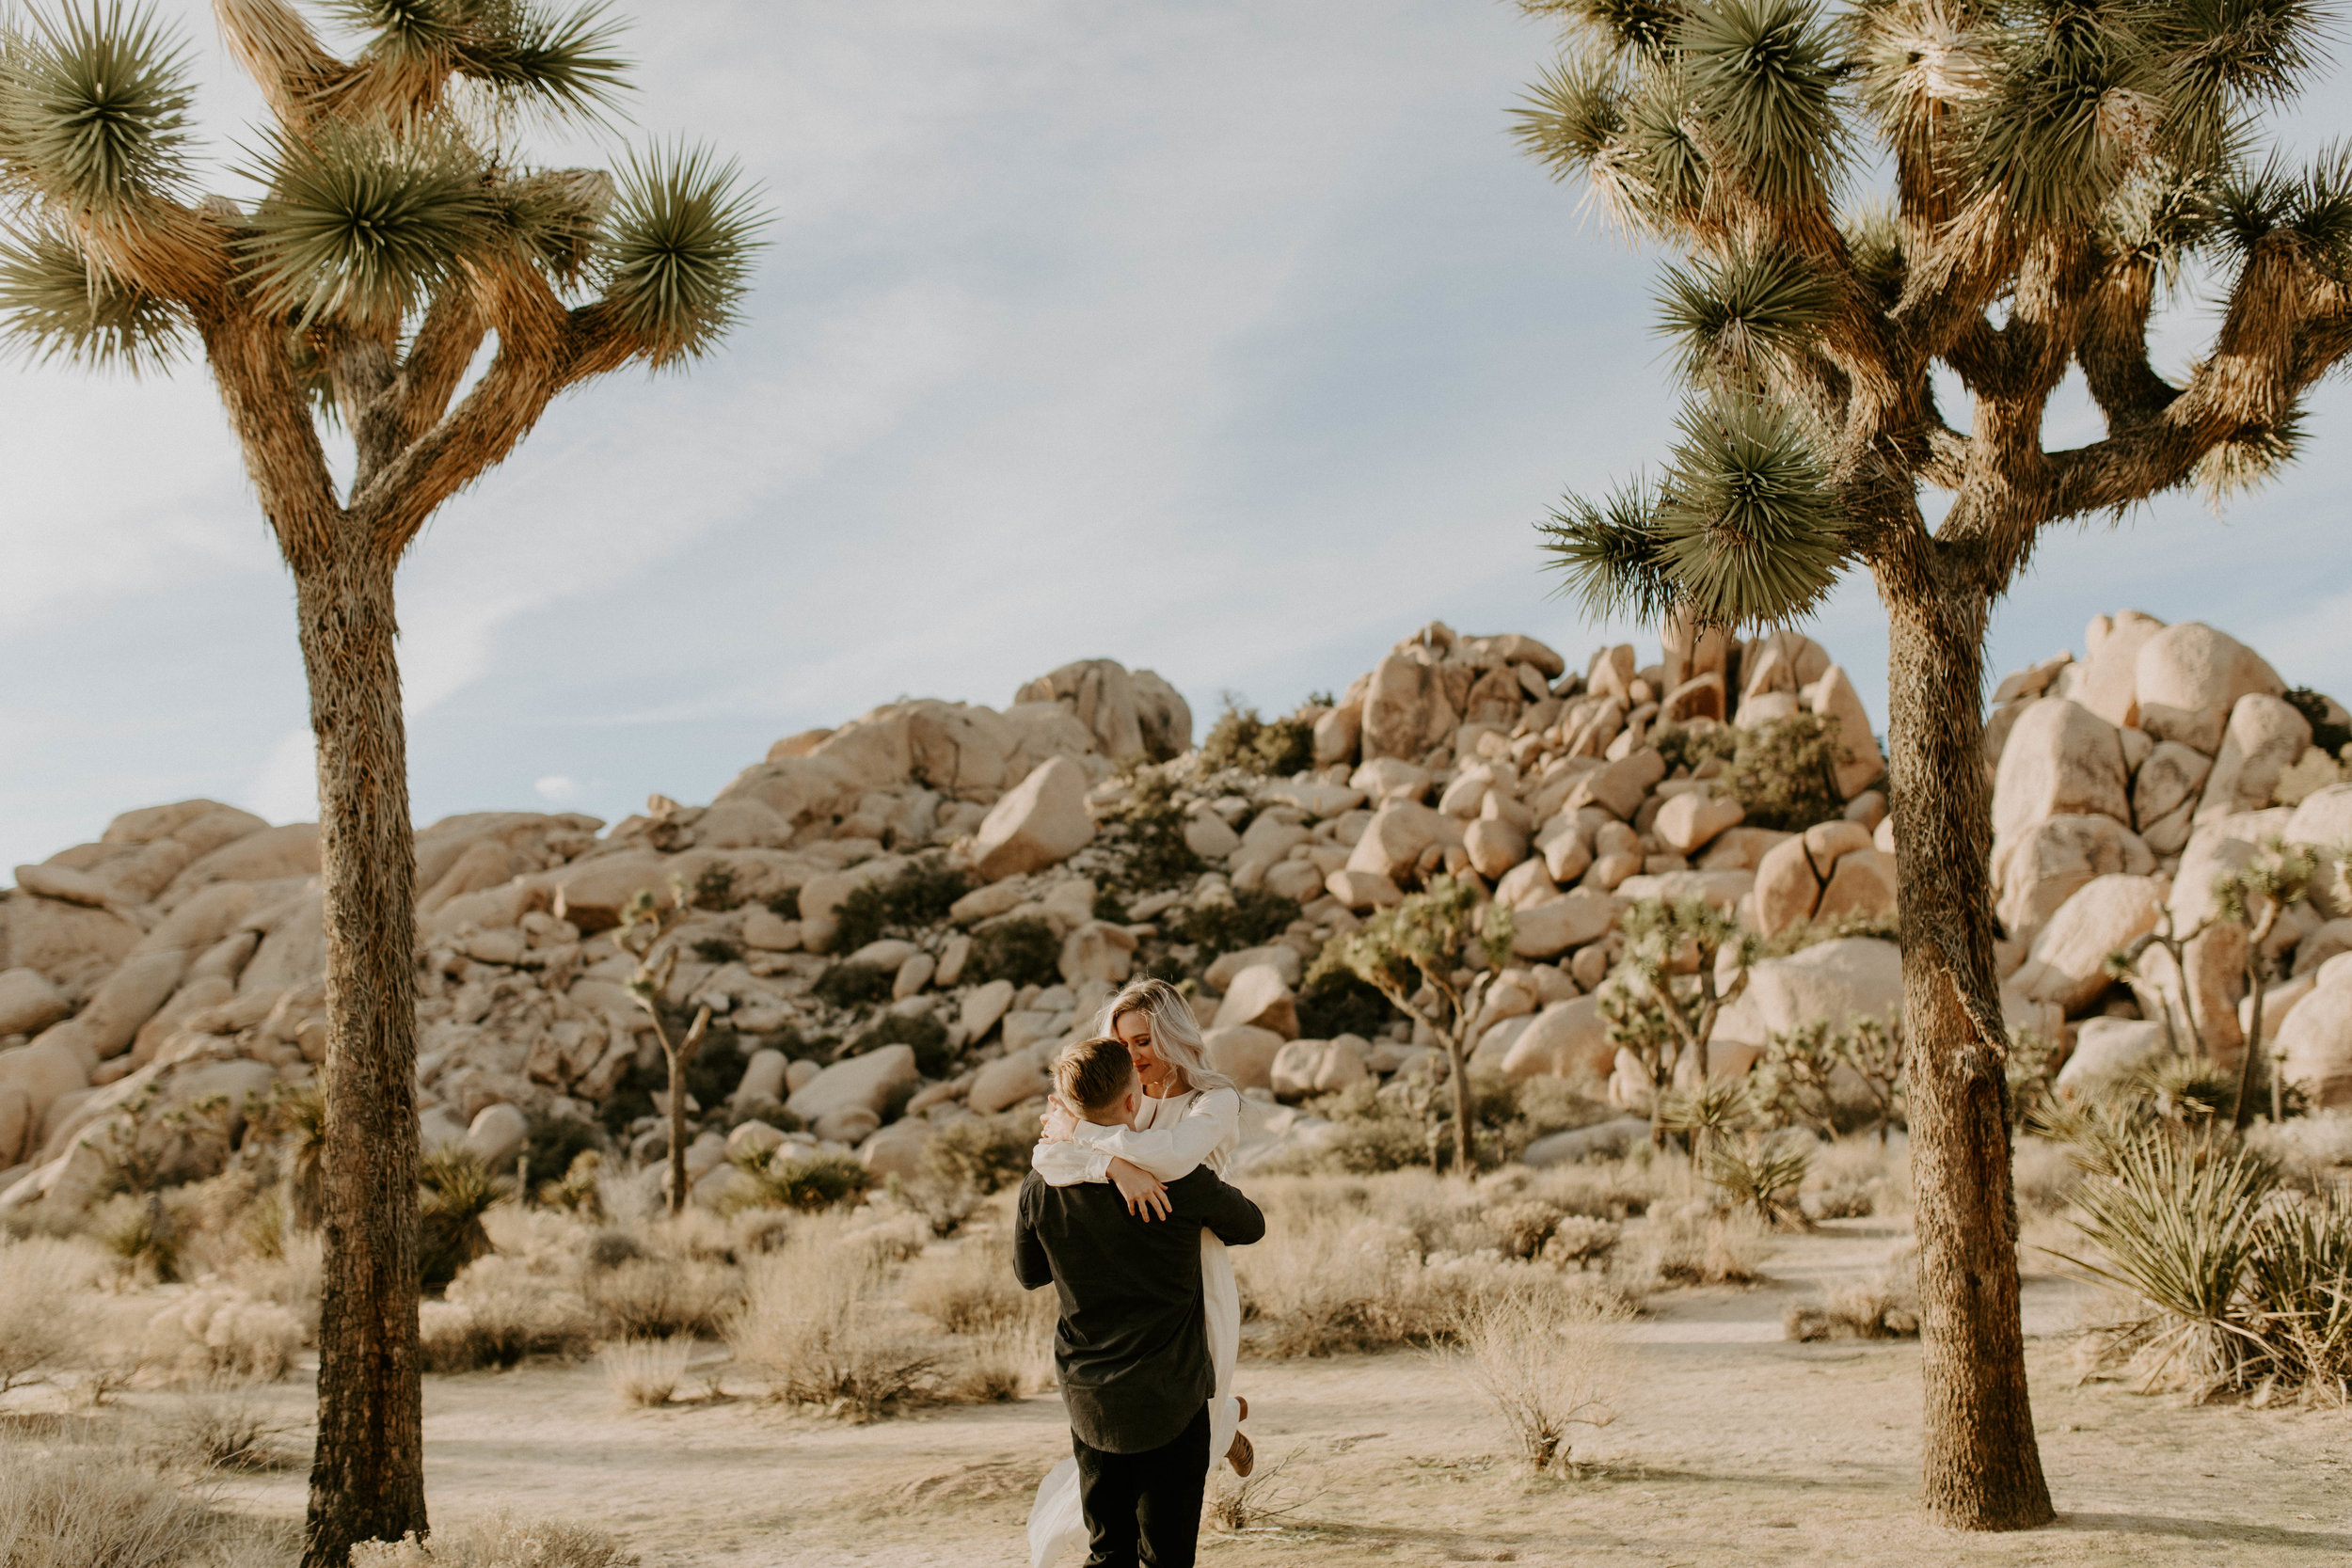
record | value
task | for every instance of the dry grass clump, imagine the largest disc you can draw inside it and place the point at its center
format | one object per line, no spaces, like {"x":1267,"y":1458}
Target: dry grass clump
{"x":1886,"y":1307}
{"x":1261,"y":1498}
{"x":819,"y":1322}
{"x":501,"y":1543}
{"x":1696,"y":1246}
{"x":1008,"y":1362}
{"x":498,"y":1311}
{"x":223,"y":1430}
{"x":1855,"y":1178}
{"x":646,"y":1372}
{"x":970,"y":1288}
{"x":217,"y":1333}
{"x":652,"y":1298}
{"x":84,"y":1510}
{"x":40,"y":1276}
{"x":1546,"y":1364}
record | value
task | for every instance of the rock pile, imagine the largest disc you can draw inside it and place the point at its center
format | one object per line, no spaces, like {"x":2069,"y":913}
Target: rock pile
{"x":898,"y":923}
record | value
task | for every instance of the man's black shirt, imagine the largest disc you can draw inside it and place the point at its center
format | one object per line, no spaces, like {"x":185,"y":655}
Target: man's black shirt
{"x":1131,"y":1348}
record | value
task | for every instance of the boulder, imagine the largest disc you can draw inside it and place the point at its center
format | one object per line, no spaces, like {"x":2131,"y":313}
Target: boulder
{"x":1007,"y":1082}
{"x":1040,"y":823}
{"x":1338,"y":733}
{"x":1607,"y":1140}
{"x":1619,"y":787}
{"x":2108,"y":685}
{"x":1835,"y":982}
{"x":591,"y":894}
{"x":71,"y":945}
{"x":1691,"y":822}
{"x":2322,"y":818}
{"x":898,"y":1149}
{"x":1528,"y":883}
{"x":17,"y":1126}
{"x":2061,"y":759}
{"x":753,"y":1140}
{"x":1494,"y":847}
{"x":2165,"y":792}
{"x":43,"y":1071}
{"x":128,"y":998}
{"x":1546,"y":929}
{"x":1407,"y":709}
{"x":763,"y":1077}
{"x":1858,"y":764}
{"x":1303,"y":1067}
{"x":1098,"y":950}
{"x":1569,"y":853}
{"x":1319,"y":800}
{"x":2264,"y":736}
{"x":1722,"y":889}
{"x":1259,"y":998}
{"x":1390,"y":779}
{"x":2316,"y":1042}
{"x":2045,"y":865}
{"x":2189,"y":677}
{"x":1208,"y":835}
{"x":2108,"y":1053}
{"x":1397,"y":836}
{"x":1284,"y":958}
{"x":497,"y":1136}
{"x":1787,"y":890}
{"x":1245,"y":1055}
{"x":1362,"y":890}
{"x":875,"y":1082}
{"x":28,"y":1003}
{"x":1128,"y":715}
{"x":2066,"y":964}
{"x":1564,"y":1041}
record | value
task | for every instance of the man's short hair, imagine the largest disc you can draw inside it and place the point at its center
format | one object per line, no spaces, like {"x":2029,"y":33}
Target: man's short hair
{"x":1094,"y":1075}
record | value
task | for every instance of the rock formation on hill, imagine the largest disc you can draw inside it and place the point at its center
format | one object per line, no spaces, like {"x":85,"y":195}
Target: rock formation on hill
{"x":898,"y":922}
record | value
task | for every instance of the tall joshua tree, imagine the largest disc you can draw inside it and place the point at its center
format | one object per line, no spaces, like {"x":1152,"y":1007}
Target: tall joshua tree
{"x":2055,"y":164}
{"x":396,"y":233}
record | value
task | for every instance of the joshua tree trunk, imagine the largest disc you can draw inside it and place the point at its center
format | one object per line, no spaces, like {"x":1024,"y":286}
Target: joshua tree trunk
{"x":2257,"y":976}
{"x":1981,"y":1470}
{"x":681,"y":1056}
{"x":1457,"y":1059}
{"x":367,"y":1480}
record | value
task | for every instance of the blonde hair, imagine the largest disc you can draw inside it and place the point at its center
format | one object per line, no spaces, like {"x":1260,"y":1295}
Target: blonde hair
{"x":1175,"y":1033}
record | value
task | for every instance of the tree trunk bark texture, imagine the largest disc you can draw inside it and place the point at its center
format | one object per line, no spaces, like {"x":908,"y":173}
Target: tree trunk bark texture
{"x":1981,"y":1469}
{"x":1457,"y":1059}
{"x":367,"y":1477}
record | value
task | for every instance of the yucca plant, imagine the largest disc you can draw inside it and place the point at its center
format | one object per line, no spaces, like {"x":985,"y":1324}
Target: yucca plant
{"x":1761,"y":1175}
{"x":2299,"y":1289}
{"x":396,"y":230}
{"x":458,"y":1190}
{"x":2053,"y":167}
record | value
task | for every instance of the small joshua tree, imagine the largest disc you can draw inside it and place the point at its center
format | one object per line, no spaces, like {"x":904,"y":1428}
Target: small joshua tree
{"x":1662,"y":1001}
{"x":2255,"y":895}
{"x":1418,"y":954}
{"x":649,"y":930}
{"x":398,"y":232}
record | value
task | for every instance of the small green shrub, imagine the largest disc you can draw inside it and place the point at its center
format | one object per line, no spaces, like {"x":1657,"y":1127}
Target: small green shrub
{"x":1254,"y":918}
{"x":1783,"y":772}
{"x":849,"y":985}
{"x":786,"y":905}
{"x":1025,"y":951}
{"x":1144,"y":837}
{"x":554,"y":1143}
{"x":915,"y":900}
{"x":1336,"y":1002}
{"x":818,"y":1181}
{"x":459,"y":1189}
{"x":2330,"y":737}
{"x":718,"y":950}
{"x":715,"y":888}
{"x":924,"y":1033}
{"x":985,"y":1153}
{"x":1694,"y":745}
{"x":1240,"y":738}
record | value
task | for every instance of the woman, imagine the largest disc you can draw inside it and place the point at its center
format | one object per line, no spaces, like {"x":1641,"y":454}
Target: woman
{"x":1190,"y":1116}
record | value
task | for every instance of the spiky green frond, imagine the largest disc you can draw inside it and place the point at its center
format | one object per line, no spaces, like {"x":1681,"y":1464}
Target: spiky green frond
{"x":2311,"y":206}
{"x":559,"y":62}
{"x":2224,"y":54}
{"x":554,"y":216}
{"x":55,"y":304}
{"x":1608,"y":555}
{"x":93,"y":109}
{"x":1641,"y":28}
{"x":1756,"y":315}
{"x":2322,"y":217}
{"x":1914,"y":58}
{"x":1874,"y":248}
{"x":1656,"y":174}
{"x":1762,"y":71}
{"x":677,"y":251}
{"x":2162,"y":214}
{"x":2076,"y":101}
{"x":1569,"y":116}
{"x":364,"y":224}
{"x":1748,"y":529}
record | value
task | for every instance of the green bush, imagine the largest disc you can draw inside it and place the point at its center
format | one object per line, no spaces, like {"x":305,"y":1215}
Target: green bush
{"x":1025,"y":951}
{"x":786,"y":905}
{"x":1782,"y":773}
{"x":818,"y":1181}
{"x":1254,"y":918}
{"x":986,"y":1154}
{"x":915,"y":900}
{"x":1240,"y":738}
{"x":459,"y":1189}
{"x":1144,"y":837}
{"x":711,"y":1077}
{"x":715,"y":888}
{"x":554,"y":1142}
{"x":2330,"y":737}
{"x":924,"y":1033}
{"x":718,"y":950}
{"x":1694,"y":745}
{"x":849,"y":985}
{"x":1336,"y":1002}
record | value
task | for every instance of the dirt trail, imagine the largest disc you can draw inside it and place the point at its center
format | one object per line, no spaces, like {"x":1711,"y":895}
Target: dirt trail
{"x":1735,"y":1448}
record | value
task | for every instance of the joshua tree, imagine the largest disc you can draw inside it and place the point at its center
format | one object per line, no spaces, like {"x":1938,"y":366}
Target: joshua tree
{"x":1662,"y":1001}
{"x":1419,"y":955}
{"x":2055,"y":164}
{"x":2255,"y":895}
{"x":648,"y":928}
{"x":393,"y":231}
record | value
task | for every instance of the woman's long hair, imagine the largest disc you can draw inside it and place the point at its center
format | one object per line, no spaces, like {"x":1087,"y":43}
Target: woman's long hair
{"x":1175,"y":1033}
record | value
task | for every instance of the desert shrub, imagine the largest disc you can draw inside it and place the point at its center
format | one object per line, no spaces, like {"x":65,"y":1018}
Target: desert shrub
{"x":849,"y":985}
{"x":1003,"y":1363}
{"x":1240,"y":738}
{"x":499,"y":1543}
{"x":1760,"y":1176}
{"x":971,"y":1290}
{"x":1850,"y":1178}
{"x":2193,"y":1092}
{"x":817,"y":1320}
{"x":497,"y":1314}
{"x":2328,"y":736}
{"x":1696,"y":1247}
{"x":809,"y":1182}
{"x":1523,"y":1227}
{"x":1257,"y":1501}
{"x":215,"y":1431}
{"x":985,"y":1153}
{"x":646,"y":1372}
{"x":63,"y":1510}
{"x":1783,"y":772}
{"x":610,"y":1248}
{"x":1694,"y":745}
{"x":659,"y":1298}
{"x":1546,"y":1364}
{"x":39,"y":1278}
{"x":554,"y":1143}
{"x":786,"y":905}
{"x":1886,"y":1307}
{"x":1254,"y":918}
{"x":916,"y":900}
{"x":718,"y":950}
{"x":1582,"y":1240}
{"x":1025,"y":951}
{"x":925,"y":1035}
{"x":580,"y":1190}
{"x":1143,"y":837}
{"x":1336,"y":1003}
{"x":219,"y":1332}
{"x":715,"y":889}
{"x":459,"y":1189}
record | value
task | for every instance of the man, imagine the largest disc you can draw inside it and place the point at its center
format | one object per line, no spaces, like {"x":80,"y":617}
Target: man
{"x":1131,"y":1348}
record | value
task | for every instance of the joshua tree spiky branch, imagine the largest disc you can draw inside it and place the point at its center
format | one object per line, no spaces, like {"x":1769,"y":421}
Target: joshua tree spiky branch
{"x":397,"y":233}
{"x":2056,"y":164}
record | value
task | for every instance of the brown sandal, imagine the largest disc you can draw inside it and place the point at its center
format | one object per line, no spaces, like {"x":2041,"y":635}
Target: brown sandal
{"x":1241,"y":1456}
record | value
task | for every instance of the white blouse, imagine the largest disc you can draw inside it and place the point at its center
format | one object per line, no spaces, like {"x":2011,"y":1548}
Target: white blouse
{"x":1178,"y":1135}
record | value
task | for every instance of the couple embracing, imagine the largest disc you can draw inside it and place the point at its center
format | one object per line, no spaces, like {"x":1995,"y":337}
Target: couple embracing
{"x":1125,"y":1215}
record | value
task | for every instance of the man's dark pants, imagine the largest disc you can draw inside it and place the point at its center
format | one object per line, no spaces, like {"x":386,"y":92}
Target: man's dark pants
{"x":1143,"y":1510}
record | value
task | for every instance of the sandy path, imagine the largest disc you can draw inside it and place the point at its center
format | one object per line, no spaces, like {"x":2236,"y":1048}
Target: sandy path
{"x":1738,"y":1447}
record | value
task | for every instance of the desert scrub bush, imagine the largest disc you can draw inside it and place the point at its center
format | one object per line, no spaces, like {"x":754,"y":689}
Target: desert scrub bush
{"x":807,"y":1183}
{"x":217,"y":1431}
{"x":971,"y":1290}
{"x":1336,"y":1002}
{"x":497,"y":1312}
{"x":817,"y":1320}
{"x":1851,"y":1178}
{"x":1886,"y":1306}
{"x":1697,"y":1247}
{"x":457,"y":1190}
{"x":922,"y":1033}
{"x":646,"y":1372}
{"x":1253,"y":918}
{"x":1783,"y":772}
{"x":1143,"y":835}
{"x":1240,"y":738}
{"x":1000,"y":1365}
{"x":40,"y":1276}
{"x":1760,"y":1176}
{"x":1581,"y":1240}
{"x":1023,"y":949}
{"x":1546,"y":1364}
{"x":500,"y":1541}
{"x":915,"y":900}
{"x":91,"y":1508}
{"x":855,"y":985}
{"x":648,"y":1298}
{"x":218,"y":1332}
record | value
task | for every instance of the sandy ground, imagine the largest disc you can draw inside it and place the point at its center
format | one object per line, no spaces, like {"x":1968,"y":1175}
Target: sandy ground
{"x":1735,"y":1448}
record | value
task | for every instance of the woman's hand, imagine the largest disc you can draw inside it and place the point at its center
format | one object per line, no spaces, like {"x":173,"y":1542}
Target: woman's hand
{"x":1058,"y":1124}
{"x":1146,"y":1197}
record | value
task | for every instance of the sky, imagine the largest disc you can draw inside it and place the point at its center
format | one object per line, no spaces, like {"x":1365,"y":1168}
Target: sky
{"x":1228,"y":340}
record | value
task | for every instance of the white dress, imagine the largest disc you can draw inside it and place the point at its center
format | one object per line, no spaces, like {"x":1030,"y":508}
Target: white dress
{"x":1176,"y":1137}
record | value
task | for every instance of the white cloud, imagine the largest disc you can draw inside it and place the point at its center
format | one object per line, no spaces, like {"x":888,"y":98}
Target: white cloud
{"x":557,"y":788}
